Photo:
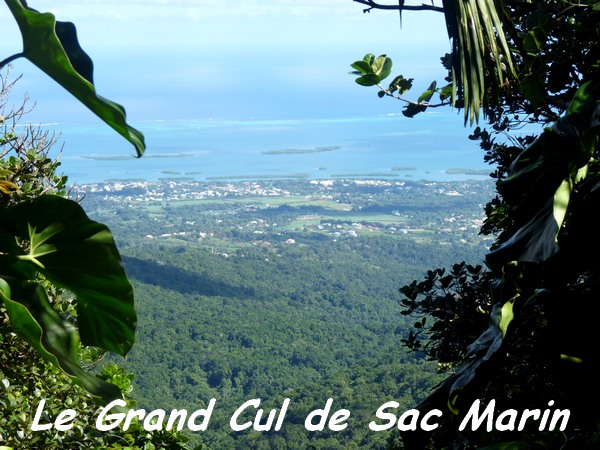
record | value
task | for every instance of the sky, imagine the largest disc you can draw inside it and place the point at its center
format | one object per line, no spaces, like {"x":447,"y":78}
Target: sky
{"x":244,"y":57}
{"x":156,"y":22}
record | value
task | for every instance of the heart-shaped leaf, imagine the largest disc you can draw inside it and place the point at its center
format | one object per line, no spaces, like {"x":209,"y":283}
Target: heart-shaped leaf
{"x":80,"y":255}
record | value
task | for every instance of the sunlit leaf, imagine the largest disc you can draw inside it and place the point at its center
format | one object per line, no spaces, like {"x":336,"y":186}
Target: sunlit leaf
{"x":446,"y":92}
{"x":369,"y":58}
{"x":53,"y":47}
{"x":426,"y":96}
{"x":382,"y":66}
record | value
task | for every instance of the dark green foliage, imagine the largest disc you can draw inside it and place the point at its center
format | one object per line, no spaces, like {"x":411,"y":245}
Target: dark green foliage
{"x":451,"y":315}
{"x":41,"y":358}
{"x":47,"y":237}
{"x":531,"y":347}
{"x":537,"y":343}
{"x":27,"y":379}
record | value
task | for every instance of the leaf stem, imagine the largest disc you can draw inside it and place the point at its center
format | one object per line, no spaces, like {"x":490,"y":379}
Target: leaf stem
{"x":32,"y":259}
{"x":11,"y":59}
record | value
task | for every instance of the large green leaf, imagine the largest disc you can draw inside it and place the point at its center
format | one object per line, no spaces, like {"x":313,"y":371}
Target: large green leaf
{"x":539,"y":183}
{"x":80,"y":255}
{"x":55,"y":338}
{"x":53,"y":47}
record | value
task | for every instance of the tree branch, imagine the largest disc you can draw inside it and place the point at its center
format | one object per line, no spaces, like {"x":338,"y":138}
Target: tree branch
{"x":423,"y":7}
{"x":410,"y":102}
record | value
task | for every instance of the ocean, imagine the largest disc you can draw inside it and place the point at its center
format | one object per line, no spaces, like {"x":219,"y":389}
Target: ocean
{"x":301,"y":115}
{"x":433,"y":147}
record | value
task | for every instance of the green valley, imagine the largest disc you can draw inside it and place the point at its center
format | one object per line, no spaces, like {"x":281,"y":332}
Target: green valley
{"x":283,"y":289}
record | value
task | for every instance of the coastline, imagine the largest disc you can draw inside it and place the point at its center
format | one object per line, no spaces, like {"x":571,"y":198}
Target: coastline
{"x":186,"y":190}
{"x":454,"y":175}
{"x":204,"y":149}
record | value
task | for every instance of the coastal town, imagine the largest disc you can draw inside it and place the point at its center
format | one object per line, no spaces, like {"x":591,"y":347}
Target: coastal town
{"x":286,"y":212}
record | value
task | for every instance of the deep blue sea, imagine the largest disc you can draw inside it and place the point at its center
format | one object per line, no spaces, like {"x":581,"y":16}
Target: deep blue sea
{"x":391,"y":147}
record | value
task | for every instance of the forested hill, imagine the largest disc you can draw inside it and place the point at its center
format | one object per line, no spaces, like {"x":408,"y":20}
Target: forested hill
{"x":284,"y":289}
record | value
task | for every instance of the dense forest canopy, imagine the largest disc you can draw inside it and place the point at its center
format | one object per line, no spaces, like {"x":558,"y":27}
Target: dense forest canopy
{"x":284,"y":289}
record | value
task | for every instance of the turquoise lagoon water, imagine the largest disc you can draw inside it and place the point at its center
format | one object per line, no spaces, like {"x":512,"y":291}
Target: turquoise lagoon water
{"x":300,"y":97}
{"x":386,"y":146}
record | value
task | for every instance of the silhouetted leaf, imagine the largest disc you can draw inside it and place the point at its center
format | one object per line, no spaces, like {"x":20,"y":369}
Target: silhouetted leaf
{"x":412,"y":109}
{"x":401,"y":84}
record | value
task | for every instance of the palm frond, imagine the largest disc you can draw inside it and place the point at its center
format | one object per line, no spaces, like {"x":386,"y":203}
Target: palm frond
{"x":481,"y":58}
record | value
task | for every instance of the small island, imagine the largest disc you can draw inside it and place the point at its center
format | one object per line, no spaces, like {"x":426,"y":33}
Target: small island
{"x":298,"y":151}
{"x":459,"y":171}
